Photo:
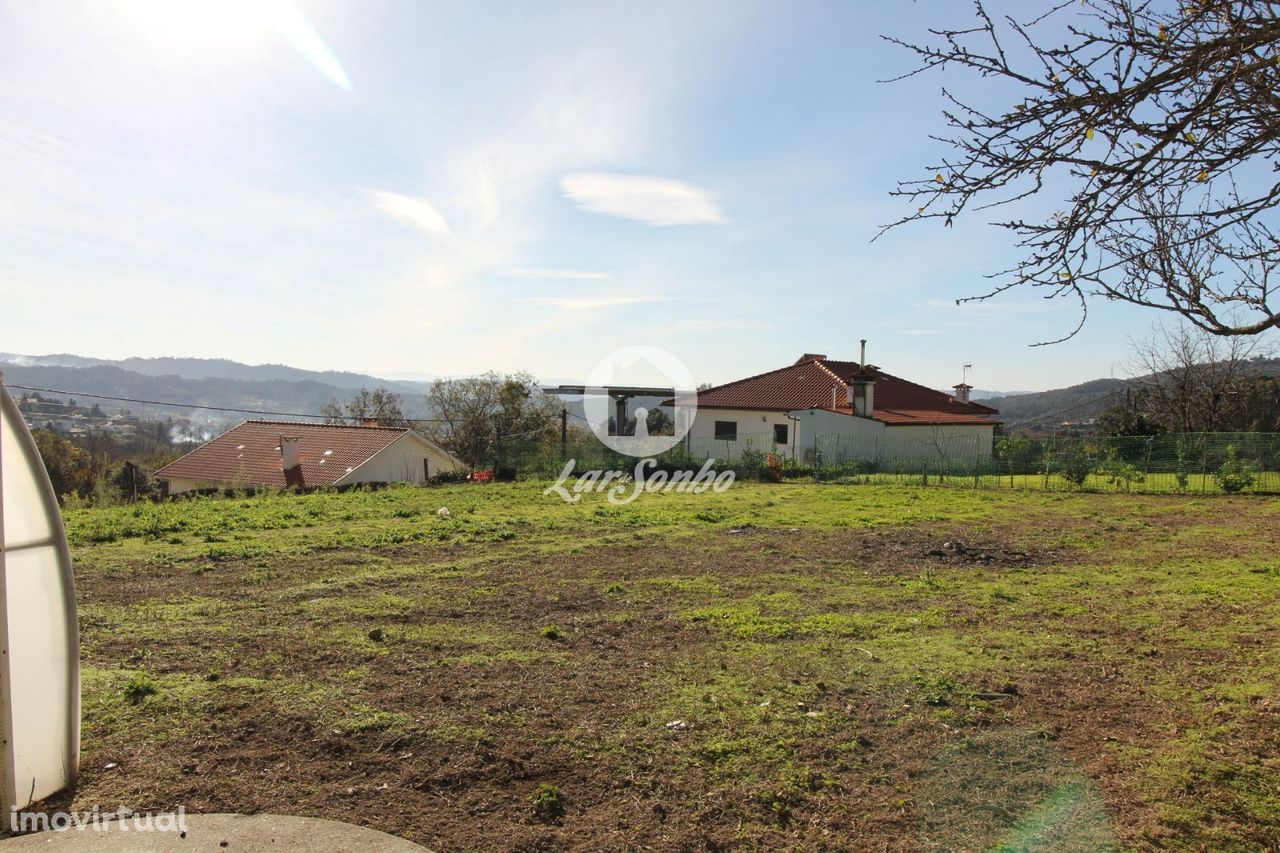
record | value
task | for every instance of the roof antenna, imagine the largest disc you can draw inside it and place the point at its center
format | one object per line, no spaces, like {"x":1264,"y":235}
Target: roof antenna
{"x":964,"y":373}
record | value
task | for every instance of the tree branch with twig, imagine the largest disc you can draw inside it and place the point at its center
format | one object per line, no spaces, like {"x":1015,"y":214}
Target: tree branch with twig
{"x":1152,"y":116}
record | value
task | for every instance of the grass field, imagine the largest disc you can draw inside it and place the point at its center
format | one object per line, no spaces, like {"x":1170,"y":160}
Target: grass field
{"x":787,"y":666}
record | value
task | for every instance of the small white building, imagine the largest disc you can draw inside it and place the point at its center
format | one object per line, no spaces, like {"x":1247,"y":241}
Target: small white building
{"x":823,"y":410}
{"x":283,"y":454}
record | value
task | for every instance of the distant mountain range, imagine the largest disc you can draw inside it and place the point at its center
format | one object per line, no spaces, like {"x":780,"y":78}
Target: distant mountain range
{"x":1081,"y":402}
{"x":200,"y":381}
{"x":218,"y":368}
{"x":1077,"y":403}
{"x":980,"y":394}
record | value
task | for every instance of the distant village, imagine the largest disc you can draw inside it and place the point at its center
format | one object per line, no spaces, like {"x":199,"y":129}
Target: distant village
{"x":72,"y":419}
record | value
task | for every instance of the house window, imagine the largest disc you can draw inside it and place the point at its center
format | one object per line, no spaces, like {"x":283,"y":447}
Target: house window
{"x":726,"y":430}
{"x":780,"y":433}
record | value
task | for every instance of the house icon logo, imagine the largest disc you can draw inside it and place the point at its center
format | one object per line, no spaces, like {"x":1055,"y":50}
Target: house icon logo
{"x":640,"y":400}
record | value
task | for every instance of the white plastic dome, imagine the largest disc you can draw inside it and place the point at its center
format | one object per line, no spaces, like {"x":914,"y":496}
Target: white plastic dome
{"x":40,"y":664}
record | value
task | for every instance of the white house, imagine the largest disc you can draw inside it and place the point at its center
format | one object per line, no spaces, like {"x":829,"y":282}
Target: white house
{"x":280,"y":454}
{"x":818,"y":408}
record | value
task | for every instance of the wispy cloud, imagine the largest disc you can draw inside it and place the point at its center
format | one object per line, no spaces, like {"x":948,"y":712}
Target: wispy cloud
{"x":586,"y":304}
{"x":558,"y":274}
{"x":658,"y":201}
{"x":418,"y":212}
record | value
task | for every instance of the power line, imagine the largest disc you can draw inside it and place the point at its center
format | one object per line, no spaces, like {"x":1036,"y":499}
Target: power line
{"x":192,"y":405}
{"x":222,"y":408}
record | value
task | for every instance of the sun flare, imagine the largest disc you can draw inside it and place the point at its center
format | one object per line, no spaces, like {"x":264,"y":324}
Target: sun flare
{"x":228,"y":27}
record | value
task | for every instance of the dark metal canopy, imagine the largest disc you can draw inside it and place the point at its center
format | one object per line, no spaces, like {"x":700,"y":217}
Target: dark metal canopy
{"x":612,"y":390}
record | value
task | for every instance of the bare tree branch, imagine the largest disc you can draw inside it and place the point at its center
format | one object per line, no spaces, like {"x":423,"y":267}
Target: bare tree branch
{"x":1153,"y":115}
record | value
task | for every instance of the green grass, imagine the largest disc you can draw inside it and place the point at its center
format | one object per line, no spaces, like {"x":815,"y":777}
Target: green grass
{"x":747,"y":664}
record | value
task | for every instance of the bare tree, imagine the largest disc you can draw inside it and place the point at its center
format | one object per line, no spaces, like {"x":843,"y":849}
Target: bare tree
{"x":1191,"y":381}
{"x":333,"y":412}
{"x":380,"y":405}
{"x":1158,"y":122}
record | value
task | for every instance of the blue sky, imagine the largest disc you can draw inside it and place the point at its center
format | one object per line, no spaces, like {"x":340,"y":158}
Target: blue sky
{"x":415,"y":188}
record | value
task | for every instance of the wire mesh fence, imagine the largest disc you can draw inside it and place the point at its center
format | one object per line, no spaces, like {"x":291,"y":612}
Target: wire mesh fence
{"x":1189,"y":463}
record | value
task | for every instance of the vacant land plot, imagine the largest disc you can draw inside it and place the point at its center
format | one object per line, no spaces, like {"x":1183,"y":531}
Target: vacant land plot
{"x":779,"y":666}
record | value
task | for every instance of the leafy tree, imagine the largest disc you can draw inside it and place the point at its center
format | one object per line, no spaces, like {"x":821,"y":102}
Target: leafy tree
{"x":1258,"y":402}
{"x":1016,"y":450}
{"x":1154,"y":124}
{"x":1124,"y":421}
{"x":656,"y":421}
{"x":131,"y":481}
{"x":659,"y":422}
{"x":72,"y":471}
{"x":381,"y":405}
{"x":477,"y":416}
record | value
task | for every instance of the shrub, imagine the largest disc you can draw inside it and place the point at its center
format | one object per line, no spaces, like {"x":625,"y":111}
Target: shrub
{"x":548,"y":803}
{"x":139,"y":688}
{"x":1236,"y":474}
{"x":1181,"y":474}
{"x":751,"y":462}
{"x":1074,"y":464}
{"x":1120,"y":472}
{"x":551,"y":632}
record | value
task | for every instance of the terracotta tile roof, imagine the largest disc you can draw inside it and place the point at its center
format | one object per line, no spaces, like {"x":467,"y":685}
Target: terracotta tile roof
{"x":807,"y":384}
{"x":249,"y":454}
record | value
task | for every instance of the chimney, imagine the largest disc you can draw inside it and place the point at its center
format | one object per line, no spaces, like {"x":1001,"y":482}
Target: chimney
{"x":862,"y":387}
{"x":289,"y":453}
{"x":368,"y":422}
{"x":962,"y":392}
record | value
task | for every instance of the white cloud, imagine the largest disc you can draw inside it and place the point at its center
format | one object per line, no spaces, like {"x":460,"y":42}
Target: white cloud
{"x":548,"y":273}
{"x":658,"y":201}
{"x":575,"y":304}
{"x":416,"y":211}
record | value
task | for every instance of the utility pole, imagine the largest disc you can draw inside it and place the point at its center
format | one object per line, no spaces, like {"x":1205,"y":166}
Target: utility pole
{"x":564,"y":432}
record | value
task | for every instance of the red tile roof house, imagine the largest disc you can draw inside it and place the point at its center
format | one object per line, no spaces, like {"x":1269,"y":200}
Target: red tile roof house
{"x":839,"y":409}
{"x":282,"y":454}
